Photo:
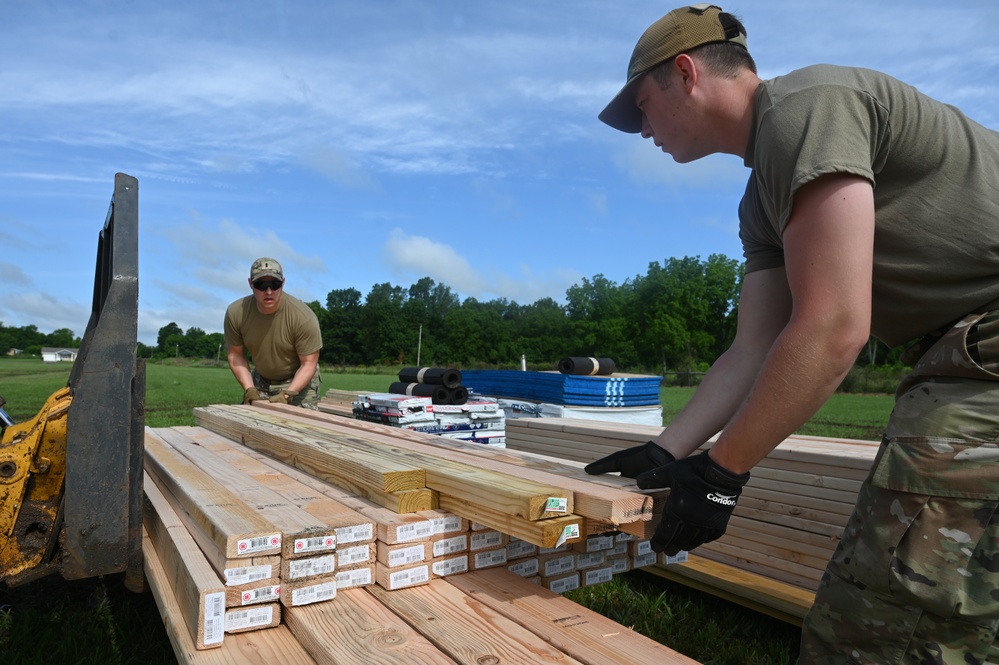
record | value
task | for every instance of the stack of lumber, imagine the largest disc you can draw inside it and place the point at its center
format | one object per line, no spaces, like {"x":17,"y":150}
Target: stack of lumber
{"x":558,"y":388}
{"x":236,"y":540}
{"x":339,"y":402}
{"x":791,"y":513}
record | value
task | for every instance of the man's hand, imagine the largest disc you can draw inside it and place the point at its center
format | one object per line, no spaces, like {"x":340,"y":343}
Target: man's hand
{"x":250,"y":394}
{"x":701,"y":499}
{"x":632,"y":461}
{"x":283,"y":397}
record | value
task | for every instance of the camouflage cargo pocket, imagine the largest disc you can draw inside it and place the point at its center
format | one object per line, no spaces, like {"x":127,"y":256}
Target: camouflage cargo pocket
{"x":939,"y":526}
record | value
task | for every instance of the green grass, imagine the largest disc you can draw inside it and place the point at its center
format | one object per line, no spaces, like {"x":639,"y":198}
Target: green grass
{"x":98,"y":621}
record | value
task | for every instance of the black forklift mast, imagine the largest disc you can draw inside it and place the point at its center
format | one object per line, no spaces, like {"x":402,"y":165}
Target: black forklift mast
{"x":104,"y":443}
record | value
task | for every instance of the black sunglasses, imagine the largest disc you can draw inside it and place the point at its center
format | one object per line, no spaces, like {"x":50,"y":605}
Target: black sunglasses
{"x":264,"y":284}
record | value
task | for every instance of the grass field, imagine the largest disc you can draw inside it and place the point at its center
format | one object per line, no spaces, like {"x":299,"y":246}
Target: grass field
{"x":98,"y":622}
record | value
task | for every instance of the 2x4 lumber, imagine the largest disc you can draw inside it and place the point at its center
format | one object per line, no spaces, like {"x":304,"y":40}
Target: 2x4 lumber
{"x":275,"y":645}
{"x":814,"y":521}
{"x":390,"y":527}
{"x":543,"y":533}
{"x":199,"y":592}
{"x":594,"y":501}
{"x":302,"y":534}
{"x":602,"y":438}
{"x":237,"y":529}
{"x":350,"y":526}
{"x":786,"y":571}
{"x":575,"y":630}
{"x":232,"y":571}
{"x":519,"y":496}
{"x":782,"y":601}
{"x":466,"y":629}
{"x":326,"y":458}
{"x":226,"y":567}
{"x":357,"y":628}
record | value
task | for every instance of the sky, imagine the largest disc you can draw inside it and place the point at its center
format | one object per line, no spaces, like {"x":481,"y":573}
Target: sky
{"x":360,"y":143}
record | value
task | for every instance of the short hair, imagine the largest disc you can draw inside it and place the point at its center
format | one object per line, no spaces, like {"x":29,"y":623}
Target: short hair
{"x":724,"y":59}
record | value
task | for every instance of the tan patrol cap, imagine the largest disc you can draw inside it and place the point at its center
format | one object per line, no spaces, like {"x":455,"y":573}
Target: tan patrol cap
{"x":679,"y":31}
{"x":266,"y":267}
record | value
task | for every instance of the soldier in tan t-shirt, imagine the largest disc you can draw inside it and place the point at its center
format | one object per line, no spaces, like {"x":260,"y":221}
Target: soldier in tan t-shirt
{"x":870,"y":209}
{"x":282,"y":336}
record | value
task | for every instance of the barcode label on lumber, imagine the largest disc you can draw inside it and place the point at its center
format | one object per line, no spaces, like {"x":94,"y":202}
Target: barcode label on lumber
{"x":415,"y":531}
{"x":405,"y":578}
{"x":249,"y":618}
{"x":570,"y":532}
{"x":558,"y":565}
{"x":597,"y":576}
{"x":643,"y":560}
{"x":314,"y":594}
{"x":679,"y":557}
{"x":486,"y":540}
{"x":525,"y":567}
{"x":453,"y":545}
{"x":490,"y":558}
{"x":214,"y":617}
{"x":346,"y":579}
{"x":349,"y":556}
{"x":406,"y":555}
{"x":520,"y":548}
{"x":317,"y":565}
{"x":265,"y":594}
{"x":319,"y":544}
{"x":556,"y":504}
{"x":452,"y":566}
{"x":568,"y":583}
{"x":237,"y":576}
{"x":446,"y":524}
{"x":358,"y":533}
{"x":251,"y":545}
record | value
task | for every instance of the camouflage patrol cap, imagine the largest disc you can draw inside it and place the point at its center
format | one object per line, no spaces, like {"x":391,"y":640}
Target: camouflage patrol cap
{"x":679,"y":31}
{"x":265,"y":267}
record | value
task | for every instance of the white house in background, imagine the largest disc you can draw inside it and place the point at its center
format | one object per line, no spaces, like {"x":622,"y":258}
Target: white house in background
{"x":15,"y":352}
{"x":50,"y":355}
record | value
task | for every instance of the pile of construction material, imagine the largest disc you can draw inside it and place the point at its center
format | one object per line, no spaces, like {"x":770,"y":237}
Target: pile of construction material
{"x":586,"y":388}
{"x":263,"y":509}
{"x":479,"y":420}
{"x":440,"y":384}
{"x":789,"y":518}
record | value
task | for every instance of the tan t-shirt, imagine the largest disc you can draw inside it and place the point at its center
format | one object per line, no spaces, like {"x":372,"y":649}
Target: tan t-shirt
{"x":936,"y":188}
{"x":275,"y":341}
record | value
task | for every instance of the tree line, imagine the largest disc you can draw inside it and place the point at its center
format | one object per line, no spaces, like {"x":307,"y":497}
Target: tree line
{"x":677,"y":317}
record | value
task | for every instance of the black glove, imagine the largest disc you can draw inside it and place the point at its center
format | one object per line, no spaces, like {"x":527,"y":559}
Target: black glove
{"x":701,"y":499}
{"x":632,"y":461}
{"x":250,"y":394}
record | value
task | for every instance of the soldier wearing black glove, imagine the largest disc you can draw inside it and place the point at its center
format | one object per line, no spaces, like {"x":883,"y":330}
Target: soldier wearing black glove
{"x":702,"y":497}
{"x":632,"y":461}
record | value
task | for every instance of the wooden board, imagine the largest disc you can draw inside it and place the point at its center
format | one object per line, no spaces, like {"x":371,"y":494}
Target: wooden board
{"x":467,"y":630}
{"x":579,"y":632}
{"x":302,"y":534}
{"x":262,"y":647}
{"x":199,"y":592}
{"x":356,"y":628}
{"x":236,"y":528}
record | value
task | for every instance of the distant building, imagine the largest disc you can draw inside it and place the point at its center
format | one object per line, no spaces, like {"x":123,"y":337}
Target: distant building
{"x":15,"y":352}
{"x":50,"y":355}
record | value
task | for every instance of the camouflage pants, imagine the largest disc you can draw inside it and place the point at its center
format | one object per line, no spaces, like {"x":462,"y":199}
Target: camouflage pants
{"x":308,"y":398}
{"x":915,"y":579}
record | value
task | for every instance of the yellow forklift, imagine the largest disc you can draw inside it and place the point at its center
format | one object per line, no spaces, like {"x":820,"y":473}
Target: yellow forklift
{"x":71,"y":477}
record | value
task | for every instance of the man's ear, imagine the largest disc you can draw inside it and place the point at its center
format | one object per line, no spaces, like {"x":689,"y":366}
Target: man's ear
{"x":686,"y":69}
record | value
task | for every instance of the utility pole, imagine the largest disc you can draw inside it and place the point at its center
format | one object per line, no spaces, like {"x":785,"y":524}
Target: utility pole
{"x":419,"y":345}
